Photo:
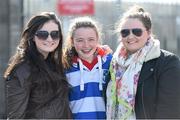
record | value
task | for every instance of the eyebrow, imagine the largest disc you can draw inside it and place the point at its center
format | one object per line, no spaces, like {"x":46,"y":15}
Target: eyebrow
{"x":78,"y":38}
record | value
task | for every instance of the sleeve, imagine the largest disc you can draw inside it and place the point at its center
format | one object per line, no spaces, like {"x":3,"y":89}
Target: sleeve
{"x":17,"y":96}
{"x":168,"y":99}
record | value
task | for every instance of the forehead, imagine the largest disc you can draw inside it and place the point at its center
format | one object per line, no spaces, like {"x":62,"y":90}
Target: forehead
{"x":50,"y":25}
{"x":85,"y":31}
{"x":132,"y":23}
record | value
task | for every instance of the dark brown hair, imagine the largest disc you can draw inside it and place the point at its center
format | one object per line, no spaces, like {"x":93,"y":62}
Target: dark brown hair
{"x":136,"y":12}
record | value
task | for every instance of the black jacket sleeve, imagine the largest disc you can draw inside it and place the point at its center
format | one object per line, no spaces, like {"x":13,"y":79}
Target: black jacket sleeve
{"x":17,"y":93}
{"x":168,"y":98}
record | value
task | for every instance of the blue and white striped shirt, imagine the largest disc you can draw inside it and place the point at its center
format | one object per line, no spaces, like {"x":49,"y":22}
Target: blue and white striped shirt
{"x":88,"y":103}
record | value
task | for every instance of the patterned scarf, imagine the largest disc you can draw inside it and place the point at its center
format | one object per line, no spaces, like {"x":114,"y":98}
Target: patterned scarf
{"x":125,"y":70}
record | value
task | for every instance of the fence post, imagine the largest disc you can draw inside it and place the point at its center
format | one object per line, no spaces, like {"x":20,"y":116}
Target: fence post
{"x":178,"y":46}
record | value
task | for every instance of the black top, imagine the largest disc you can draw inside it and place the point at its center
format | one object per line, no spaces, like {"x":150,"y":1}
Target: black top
{"x":158,"y":91}
{"x":23,"y":98}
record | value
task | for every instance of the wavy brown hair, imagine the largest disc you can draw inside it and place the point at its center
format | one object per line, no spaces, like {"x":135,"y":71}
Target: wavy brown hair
{"x":136,"y":12}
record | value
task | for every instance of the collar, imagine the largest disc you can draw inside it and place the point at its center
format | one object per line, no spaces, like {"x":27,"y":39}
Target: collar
{"x":101,"y":52}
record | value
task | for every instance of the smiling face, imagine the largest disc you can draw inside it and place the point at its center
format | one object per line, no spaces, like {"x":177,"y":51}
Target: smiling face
{"x":45,"y":46}
{"x":133,"y":42}
{"x":85,"y":41}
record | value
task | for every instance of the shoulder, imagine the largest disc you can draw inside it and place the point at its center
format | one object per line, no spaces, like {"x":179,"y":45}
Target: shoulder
{"x":21,"y":72}
{"x":165,"y":58}
{"x":168,"y":65}
{"x":167,"y":54}
{"x":107,"y":57}
{"x":23,"y":67}
{"x":167,"y":61}
{"x":169,"y":58}
{"x":105,"y":53}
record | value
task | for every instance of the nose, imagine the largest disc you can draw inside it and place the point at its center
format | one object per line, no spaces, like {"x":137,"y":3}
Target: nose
{"x":86,"y":44}
{"x":49,"y":38}
{"x":130,"y":35}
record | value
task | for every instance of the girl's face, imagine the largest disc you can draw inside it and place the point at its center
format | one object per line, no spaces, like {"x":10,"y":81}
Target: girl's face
{"x":47,"y":38}
{"x":85,"y":41}
{"x":134,"y":35}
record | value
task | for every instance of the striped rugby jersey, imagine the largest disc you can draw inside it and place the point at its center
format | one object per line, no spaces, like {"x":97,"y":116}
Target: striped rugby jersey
{"x":88,"y":82}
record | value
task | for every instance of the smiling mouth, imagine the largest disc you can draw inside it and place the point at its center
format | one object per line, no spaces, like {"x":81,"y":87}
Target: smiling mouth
{"x":131,"y":42}
{"x":86,"y":51}
{"x":49,"y":44}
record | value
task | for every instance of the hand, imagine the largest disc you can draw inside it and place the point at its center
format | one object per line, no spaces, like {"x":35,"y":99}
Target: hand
{"x":106,"y":48}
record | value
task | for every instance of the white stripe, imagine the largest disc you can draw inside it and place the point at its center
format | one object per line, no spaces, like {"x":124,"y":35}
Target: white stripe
{"x":88,"y":76}
{"x":100,"y":72}
{"x":81,"y":75}
{"x":88,"y":104}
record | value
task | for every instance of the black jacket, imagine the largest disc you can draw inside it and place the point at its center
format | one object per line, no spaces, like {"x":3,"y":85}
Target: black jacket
{"x":158,"y":91}
{"x":22,"y":99}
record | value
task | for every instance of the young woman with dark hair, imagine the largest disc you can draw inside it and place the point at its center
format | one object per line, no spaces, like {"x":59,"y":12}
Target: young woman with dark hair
{"x":36,"y":83}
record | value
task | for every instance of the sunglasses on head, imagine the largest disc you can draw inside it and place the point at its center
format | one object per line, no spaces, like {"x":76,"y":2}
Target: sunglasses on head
{"x":136,"y":31}
{"x":43,"y":35}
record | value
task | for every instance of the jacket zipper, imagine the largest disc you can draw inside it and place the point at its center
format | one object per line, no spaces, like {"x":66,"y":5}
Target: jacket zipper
{"x":144,"y":111}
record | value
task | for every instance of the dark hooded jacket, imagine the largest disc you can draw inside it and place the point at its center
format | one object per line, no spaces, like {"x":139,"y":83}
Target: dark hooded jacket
{"x":158,"y":91}
{"x":23,"y":98}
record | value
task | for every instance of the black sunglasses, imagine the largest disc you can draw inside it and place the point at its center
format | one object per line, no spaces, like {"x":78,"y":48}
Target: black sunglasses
{"x":136,"y":31}
{"x":43,"y":35}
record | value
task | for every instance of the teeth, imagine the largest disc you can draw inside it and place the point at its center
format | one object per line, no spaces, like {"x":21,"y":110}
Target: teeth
{"x":86,"y":51}
{"x":131,"y":42}
{"x":48,"y":45}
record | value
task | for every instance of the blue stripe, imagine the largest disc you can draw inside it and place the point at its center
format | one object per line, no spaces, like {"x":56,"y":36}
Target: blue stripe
{"x":90,"y":115}
{"x":106,"y":66}
{"x":106,"y":63}
{"x":90,"y":90}
{"x":72,"y":69}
